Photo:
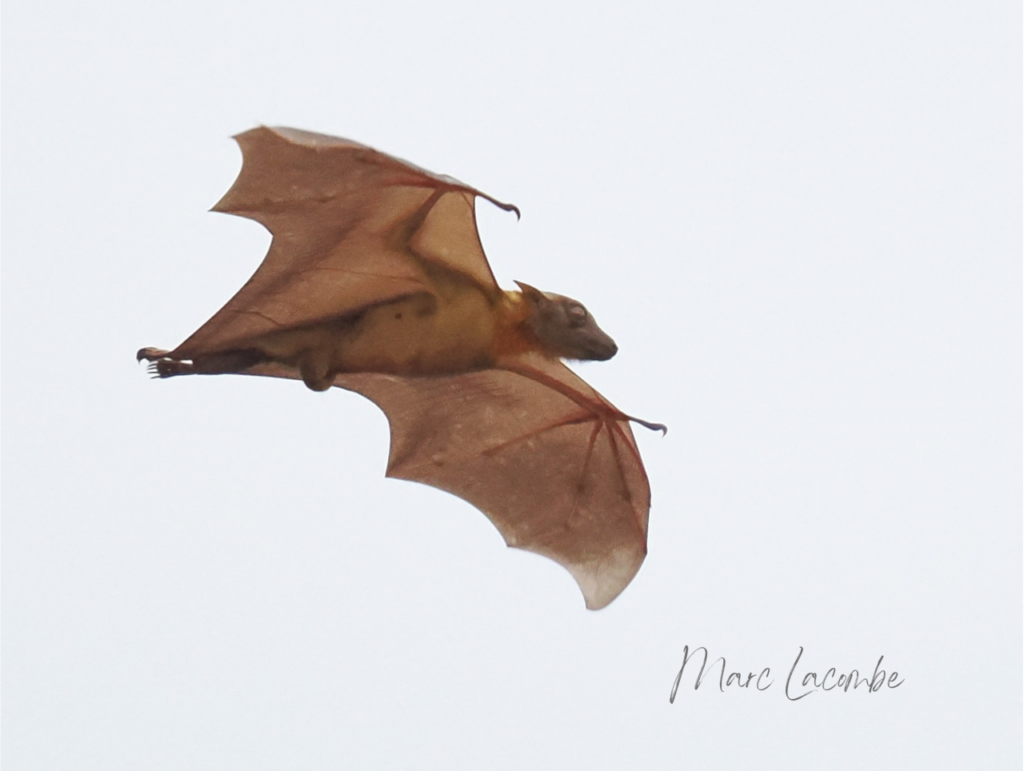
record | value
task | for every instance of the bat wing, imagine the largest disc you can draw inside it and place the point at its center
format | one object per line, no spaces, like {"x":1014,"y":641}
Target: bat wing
{"x":552,"y":464}
{"x":351,"y":227}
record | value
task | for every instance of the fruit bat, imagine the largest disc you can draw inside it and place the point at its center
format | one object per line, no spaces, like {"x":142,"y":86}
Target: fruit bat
{"x":376,"y":282}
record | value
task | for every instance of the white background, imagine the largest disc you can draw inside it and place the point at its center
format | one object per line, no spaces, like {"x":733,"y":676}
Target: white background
{"x":801,"y":221}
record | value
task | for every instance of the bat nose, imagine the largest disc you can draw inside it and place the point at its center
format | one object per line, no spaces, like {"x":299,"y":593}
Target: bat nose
{"x":603,"y":348}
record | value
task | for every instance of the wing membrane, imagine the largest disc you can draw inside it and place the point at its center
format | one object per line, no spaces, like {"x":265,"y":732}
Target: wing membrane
{"x":351,"y":226}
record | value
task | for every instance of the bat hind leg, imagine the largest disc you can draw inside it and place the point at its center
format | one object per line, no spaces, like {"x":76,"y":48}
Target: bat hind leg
{"x":315,"y":371}
{"x":221,"y":363}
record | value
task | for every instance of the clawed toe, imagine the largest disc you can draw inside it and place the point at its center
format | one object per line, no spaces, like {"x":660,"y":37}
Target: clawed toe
{"x":162,"y":368}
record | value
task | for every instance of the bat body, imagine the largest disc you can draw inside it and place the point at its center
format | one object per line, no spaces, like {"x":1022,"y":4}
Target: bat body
{"x":376,"y":282}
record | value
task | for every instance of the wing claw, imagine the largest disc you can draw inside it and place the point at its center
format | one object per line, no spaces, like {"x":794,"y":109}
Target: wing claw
{"x":646,"y":424}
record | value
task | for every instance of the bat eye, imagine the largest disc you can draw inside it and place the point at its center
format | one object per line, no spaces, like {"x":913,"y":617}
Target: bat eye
{"x":577,"y":314}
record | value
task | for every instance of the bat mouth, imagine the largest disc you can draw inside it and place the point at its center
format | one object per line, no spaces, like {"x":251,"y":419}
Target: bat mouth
{"x":600,"y":348}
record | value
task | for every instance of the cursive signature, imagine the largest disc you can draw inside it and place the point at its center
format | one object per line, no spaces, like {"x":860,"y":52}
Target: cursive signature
{"x":794,"y":689}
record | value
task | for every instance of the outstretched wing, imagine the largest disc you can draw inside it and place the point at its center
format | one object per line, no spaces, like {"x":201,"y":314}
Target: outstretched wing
{"x":351,"y":227}
{"x":552,"y":464}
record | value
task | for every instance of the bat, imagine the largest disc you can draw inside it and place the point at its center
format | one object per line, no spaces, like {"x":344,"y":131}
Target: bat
{"x":376,"y":282}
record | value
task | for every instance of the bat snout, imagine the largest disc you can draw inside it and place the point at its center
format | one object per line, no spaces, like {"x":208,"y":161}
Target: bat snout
{"x":602,"y":348}
{"x":591,"y":343}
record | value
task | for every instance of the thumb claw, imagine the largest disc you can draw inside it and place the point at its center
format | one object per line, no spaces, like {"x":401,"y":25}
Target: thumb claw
{"x":652,"y":426}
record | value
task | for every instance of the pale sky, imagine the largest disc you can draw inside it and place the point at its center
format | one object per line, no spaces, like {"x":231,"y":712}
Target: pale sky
{"x":800,"y":221}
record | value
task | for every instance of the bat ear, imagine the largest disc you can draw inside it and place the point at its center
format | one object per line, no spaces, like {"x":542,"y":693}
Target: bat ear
{"x":532,"y":294}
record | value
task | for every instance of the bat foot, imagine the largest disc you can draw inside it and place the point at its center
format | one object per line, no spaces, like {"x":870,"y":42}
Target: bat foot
{"x":164,"y":368}
{"x":160,"y":366}
{"x":150,"y":354}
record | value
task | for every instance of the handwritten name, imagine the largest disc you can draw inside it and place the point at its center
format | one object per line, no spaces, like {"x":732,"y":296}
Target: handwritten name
{"x":795,"y":689}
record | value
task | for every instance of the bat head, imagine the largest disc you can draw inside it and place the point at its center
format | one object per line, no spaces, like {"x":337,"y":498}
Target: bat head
{"x":565,"y":328}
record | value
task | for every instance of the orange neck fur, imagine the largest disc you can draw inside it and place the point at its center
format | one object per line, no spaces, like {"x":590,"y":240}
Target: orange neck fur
{"x":513,"y":335}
